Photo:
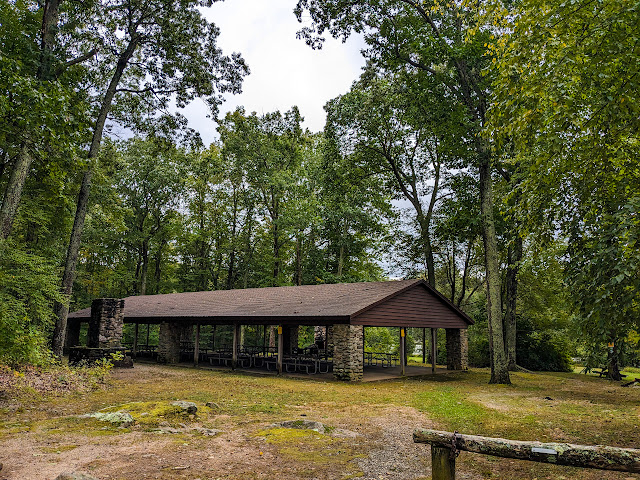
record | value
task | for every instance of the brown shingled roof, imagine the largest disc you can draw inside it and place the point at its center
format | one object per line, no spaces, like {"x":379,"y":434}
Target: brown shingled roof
{"x":307,"y":304}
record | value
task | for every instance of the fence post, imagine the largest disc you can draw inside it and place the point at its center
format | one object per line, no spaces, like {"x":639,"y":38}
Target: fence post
{"x":443,"y":464}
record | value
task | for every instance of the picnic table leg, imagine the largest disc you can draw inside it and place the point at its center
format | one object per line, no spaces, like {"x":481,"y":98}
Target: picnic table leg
{"x":443,"y":464}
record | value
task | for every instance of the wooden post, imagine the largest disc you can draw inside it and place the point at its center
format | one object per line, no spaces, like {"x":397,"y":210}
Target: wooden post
{"x":434,"y":346}
{"x":443,"y":464}
{"x":213,"y":338}
{"x":600,"y":457}
{"x":403,"y":351}
{"x":234,"y":352}
{"x":424,"y":345}
{"x":134,"y":350}
{"x":280,"y":348}
{"x":196,"y":347}
{"x":264,"y":340}
{"x":148,"y":325}
{"x":406,"y":352}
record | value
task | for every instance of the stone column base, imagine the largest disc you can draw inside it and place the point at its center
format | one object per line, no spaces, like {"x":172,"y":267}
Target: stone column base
{"x":169,"y":343}
{"x":457,"y":349}
{"x":348,"y":341}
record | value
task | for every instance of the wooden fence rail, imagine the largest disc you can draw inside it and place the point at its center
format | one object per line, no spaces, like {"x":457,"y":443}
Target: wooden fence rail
{"x":445,"y":447}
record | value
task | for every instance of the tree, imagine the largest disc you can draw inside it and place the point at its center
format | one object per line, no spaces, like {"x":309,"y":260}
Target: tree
{"x":155,"y":51}
{"x":444,"y":44}
{"x":269,"y":148}
{"x":381,"y":129}
{"x":568,"y":103}
{"x":44,"y":111}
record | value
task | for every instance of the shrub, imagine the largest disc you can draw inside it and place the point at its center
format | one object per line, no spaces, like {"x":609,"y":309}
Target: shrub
{"x":28,"y":289}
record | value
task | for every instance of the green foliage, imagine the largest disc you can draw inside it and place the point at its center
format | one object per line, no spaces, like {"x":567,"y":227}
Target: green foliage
{"x":543,"y":350}
{"x":28,"y":287}
{"x":381,"y":339}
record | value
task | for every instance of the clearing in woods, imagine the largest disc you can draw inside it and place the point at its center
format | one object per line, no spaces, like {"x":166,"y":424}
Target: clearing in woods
{"x":368,"y":426}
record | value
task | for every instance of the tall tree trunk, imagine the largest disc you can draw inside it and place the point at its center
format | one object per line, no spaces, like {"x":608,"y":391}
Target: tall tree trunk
{"x":613,"y":362}
{"x":499,"y":371}
{"x":514,"y":256}
{"x":144,"y":254}
{"x":20,"y":170}
{"x":465,"y":274}
{"x":158,"y":268}
{"x":298,"y":279}
{"x":425,"y":236}
{"x":62,"y":309}
{"x":248,"y":252}
{"x":232,"y":253}
{"x":13,"y":191}
{"x":276,"y":251}
{"x":342,"y":252}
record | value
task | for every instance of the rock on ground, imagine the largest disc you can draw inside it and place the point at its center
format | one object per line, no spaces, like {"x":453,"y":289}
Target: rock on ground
{"x":187,"y":407}
{"x":75,"y":476}
{"x":123,"y":419}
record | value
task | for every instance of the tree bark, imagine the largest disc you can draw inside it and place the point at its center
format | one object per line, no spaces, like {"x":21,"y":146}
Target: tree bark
{"x":499,"y":371}
{"x":13,"y":191}
{"x":20,"y":170}
{"x":62,"y":309}
{"x":144,"y":253}
{"x":514,"y":256}
{"x":613,"y":365}
{"x":298,"y":279}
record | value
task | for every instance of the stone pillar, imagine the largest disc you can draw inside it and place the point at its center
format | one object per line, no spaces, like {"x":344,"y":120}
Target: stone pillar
{"x":329,"y":340}
{"x":457,"y":349}
{"x":105,"y":326}
{"x":320,"y":336}
{"x":348,"y":341}
{"x":290,"y":333}
{"x":169,"y":342}
{"x":72,"y":338}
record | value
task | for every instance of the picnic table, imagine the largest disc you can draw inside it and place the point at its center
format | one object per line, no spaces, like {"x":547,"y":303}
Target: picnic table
{"x":603,"y":372}
{"x":381,"y":358}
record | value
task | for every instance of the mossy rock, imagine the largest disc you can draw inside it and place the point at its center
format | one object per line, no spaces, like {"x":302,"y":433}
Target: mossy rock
{"x":152,"y":414}
{"x":122,"y":419}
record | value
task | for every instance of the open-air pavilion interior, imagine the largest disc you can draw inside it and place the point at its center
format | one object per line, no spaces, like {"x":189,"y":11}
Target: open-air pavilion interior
{"x":258,"y":328}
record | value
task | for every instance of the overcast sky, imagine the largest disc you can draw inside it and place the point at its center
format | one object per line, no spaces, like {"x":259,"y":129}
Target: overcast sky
{"x":284,"y":70}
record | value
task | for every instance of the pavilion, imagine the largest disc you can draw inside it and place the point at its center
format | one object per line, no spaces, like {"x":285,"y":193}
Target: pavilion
{"x":344,"y":309}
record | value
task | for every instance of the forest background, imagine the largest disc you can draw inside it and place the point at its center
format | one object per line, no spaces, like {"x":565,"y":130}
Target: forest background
{"x":490,"y":148}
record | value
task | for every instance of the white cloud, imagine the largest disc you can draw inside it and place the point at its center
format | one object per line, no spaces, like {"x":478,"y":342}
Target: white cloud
{"x":284,"y":70}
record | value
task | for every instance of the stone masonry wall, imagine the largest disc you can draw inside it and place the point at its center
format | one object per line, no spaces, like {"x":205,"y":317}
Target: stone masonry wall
{"x":105,"y":326}
{"x":169,"y":342}
{"x":290,"y":333}
{"x":320,"y":335}
{"x":457,"y":349}
{"x":329,"y":340}
{"x":348,"y":341}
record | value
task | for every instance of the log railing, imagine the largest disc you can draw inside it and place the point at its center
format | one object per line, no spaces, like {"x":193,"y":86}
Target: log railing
{"x":445,"y":447}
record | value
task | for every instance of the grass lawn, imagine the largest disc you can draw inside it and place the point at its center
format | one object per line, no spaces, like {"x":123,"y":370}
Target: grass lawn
{"x":368,"y":435}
